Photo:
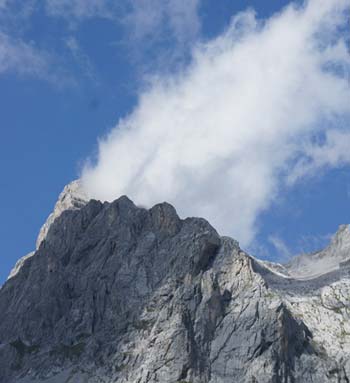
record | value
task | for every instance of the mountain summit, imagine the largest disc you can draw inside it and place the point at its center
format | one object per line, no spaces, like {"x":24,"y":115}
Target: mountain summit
{"x":119,"y":293}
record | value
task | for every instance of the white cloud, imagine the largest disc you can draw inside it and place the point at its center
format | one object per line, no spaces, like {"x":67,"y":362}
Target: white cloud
{"x":218,"y":139}
{"x":20,"y":57}
{"x":14,"y":13}
{"x":25,"y":57}
{"x":82,"y":59}
{"x":283,"y":251}
{"x":159,"y":34}
{"x":17,"y":55}
{"x":148,"y":18}
{"x":145,"y":21}
{"x":333,"y":152}
{"x":80,"y":9}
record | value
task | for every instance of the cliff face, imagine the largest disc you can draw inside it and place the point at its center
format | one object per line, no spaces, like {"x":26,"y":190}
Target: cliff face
{"x":118,"y":293}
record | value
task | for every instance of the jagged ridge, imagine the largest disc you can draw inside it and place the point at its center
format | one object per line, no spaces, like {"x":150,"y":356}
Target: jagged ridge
{"x":117,"y":293}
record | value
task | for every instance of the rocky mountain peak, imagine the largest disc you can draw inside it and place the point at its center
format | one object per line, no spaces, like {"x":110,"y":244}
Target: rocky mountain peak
{"x":72,"y":197}
{"x":120,"y":293}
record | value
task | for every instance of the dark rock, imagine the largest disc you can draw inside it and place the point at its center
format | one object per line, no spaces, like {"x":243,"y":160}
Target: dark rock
{"x":118,"y":293}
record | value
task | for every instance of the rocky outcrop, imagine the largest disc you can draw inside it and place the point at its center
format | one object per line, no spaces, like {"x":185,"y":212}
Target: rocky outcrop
{"x":320,"y":262}
{"x":19,"y":264}
{"x":118,"y":293}
{"x":72,"y":197}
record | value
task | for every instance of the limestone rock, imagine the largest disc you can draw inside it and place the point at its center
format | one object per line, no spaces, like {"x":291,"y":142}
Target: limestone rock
{"x":313,"y":265}
{"x":19,"y":264}
{"x":119,"y":293}
{"x":72,"y":197}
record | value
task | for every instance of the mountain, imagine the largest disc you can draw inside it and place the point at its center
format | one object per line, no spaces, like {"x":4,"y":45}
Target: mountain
{"x":119,"y":293}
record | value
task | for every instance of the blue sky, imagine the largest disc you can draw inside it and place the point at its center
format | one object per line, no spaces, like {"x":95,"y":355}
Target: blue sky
{"x":70,"y":70}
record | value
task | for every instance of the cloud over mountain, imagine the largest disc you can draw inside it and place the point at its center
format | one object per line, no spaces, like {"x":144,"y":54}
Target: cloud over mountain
{"x":220,"y":138}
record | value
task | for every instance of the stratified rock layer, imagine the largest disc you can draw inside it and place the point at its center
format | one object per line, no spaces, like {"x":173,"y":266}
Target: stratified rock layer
{"x":117,"y":293}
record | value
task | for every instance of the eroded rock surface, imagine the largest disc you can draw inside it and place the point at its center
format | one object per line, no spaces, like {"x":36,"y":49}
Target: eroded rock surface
{"x":72,"y":197}
{"x":118,"y":293}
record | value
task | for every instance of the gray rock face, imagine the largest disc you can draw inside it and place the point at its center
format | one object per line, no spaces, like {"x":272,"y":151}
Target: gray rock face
{"x":313,"y":265}
{"x":72,"y":197}
{"x":19,"y":264}
{"x":118,"y":293}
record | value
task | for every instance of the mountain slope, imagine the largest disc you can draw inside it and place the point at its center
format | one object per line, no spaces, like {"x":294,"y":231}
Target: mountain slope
{"x":118,"y":293}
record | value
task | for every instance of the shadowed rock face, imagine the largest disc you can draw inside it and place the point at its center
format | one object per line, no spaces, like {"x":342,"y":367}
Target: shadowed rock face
{"x":117,"y":293}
